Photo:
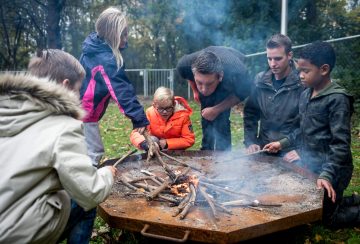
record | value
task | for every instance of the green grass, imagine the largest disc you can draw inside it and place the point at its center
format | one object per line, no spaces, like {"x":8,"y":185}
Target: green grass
{"x":116,"y":129}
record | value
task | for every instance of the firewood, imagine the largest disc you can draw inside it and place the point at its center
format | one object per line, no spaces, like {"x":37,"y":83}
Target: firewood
{"x":146,"y":172}
{"x":128,"y":185}
{"x":152,"y":178}
{"x":224,"y":190}
{"x":222,"y":208}
{"x":182,"y":204}
{"x":190,"y":203}
{"x":125,"y":156}
{"x":202,"y":191}
{"x":180,"y":162}
{"x":164,"y":185}
{"x":158,"y":157}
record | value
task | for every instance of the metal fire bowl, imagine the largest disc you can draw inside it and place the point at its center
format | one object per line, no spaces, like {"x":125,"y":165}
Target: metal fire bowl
{"x":267,"y":178}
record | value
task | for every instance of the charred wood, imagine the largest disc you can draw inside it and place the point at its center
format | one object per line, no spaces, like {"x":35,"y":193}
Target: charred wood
{"x":190,"y":203}
{"x":202,"y":191}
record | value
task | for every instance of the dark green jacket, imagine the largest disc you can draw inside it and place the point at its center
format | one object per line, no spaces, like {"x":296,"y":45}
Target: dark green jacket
{"x":277,"y":110}
{"x":325,"y":134}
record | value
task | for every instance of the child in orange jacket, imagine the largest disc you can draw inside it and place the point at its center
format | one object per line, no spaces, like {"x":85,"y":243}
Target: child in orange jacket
{"x":170,"y":124}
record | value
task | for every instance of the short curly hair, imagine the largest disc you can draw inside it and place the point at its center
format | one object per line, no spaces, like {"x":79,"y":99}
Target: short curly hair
{"x":319,"y":53}
{"x":207,"y":63}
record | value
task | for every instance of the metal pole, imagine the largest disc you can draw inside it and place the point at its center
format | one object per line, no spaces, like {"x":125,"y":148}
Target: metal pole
{"x":146,"y":87}
{"x":284,"y":17}
{"x":172,"y":80}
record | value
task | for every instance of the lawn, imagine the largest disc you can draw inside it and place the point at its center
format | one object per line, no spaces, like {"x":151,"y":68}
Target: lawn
{"x":116,"y":128}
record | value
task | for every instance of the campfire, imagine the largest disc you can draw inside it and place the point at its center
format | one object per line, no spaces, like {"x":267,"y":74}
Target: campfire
{"x":187,"y":188}
{"x":214,"y":196}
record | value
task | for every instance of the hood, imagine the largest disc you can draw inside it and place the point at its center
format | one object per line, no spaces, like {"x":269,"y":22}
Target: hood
{"x":25,"y":99}
{"x":332,"y":88}
{"x":94,"y":44}
{"x":182,"y":105}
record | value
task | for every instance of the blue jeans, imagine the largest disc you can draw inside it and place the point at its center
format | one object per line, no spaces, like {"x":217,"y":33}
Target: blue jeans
{"x":79,"y":227}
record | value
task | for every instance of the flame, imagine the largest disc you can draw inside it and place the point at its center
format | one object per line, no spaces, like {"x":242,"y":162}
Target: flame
{"x":183,"y":189}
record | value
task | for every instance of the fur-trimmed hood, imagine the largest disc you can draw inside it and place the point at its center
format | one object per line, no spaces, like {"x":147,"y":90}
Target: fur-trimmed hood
{"x":25,"y":99}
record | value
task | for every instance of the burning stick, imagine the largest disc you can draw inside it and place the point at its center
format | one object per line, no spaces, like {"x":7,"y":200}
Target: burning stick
{"x":182,"y":204}
{"x":180,"y":162}
{"x":190,"y":203}
{"x":156,"y":192}
{"x":157,"y":154}
{"x":209,"y":201}
{"x":135,"y":188}
{"x":125,"y":156}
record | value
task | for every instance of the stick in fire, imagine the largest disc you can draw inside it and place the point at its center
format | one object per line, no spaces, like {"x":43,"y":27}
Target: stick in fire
{"x":154,"y":149}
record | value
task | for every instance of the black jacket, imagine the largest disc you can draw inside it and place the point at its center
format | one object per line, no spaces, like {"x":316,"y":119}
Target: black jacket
{"x":277,"y":110}
{"x":236,"y":78}
{"x":325,"y":134}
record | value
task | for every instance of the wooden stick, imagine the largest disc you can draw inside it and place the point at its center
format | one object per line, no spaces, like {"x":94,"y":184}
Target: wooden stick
{"x":151,"y":174}
{"x":146,"y":178}
{"x":169,"y":199}
{"x":209,"y":201}
{"x":155,"y":192}
{"x":223,"y":190}
{"x":125,"y":156}
{"x":222,"y":208}
{"x":180,"y":162}
{"x":128,"y":185}
{"x":190,"y":203}
{"x":157,"y":154}
{"x":182,"y":204}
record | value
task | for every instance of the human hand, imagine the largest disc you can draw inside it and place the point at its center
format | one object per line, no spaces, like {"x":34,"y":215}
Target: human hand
{"x":113,"y":170}
{"x":273,"y":147}
{"x":163,"y":144}
{"x":252,"y":148}
{"x":321,"y":183}
{"x":209,"y":113}
{"x":141,"y":130}
{"x":291,"y":156}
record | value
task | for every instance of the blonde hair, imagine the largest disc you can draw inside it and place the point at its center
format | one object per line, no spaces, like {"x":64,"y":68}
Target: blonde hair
{"x":56,"y":65}
{"x":163,"y":93}
{"x":109,"y":26}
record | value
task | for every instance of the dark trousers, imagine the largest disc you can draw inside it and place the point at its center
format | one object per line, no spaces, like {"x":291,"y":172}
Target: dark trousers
{"x":345,"y":212}
{"x":79,"y":227}
{"x":216,"y":133}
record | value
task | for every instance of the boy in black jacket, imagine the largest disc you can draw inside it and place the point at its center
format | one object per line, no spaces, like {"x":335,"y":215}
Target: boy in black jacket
{"x":325,"y":139}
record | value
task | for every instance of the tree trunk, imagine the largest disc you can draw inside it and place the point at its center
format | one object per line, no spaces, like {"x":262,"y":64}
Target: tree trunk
{"x":53,"y":23}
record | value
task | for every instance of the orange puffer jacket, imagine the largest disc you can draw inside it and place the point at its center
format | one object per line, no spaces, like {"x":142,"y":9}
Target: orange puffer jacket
{"x":177,"y":130}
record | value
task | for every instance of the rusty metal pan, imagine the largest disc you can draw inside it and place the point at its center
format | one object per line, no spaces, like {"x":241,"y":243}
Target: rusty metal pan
{"x":265,"y":178}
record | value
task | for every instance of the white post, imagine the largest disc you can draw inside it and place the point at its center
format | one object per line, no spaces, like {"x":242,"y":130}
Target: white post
{"x":146,"y":83}
{"x":284,"y":17}
{"x":172,"y":80}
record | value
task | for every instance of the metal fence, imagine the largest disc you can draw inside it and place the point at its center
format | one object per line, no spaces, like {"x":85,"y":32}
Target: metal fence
{"x":347,"y":70}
